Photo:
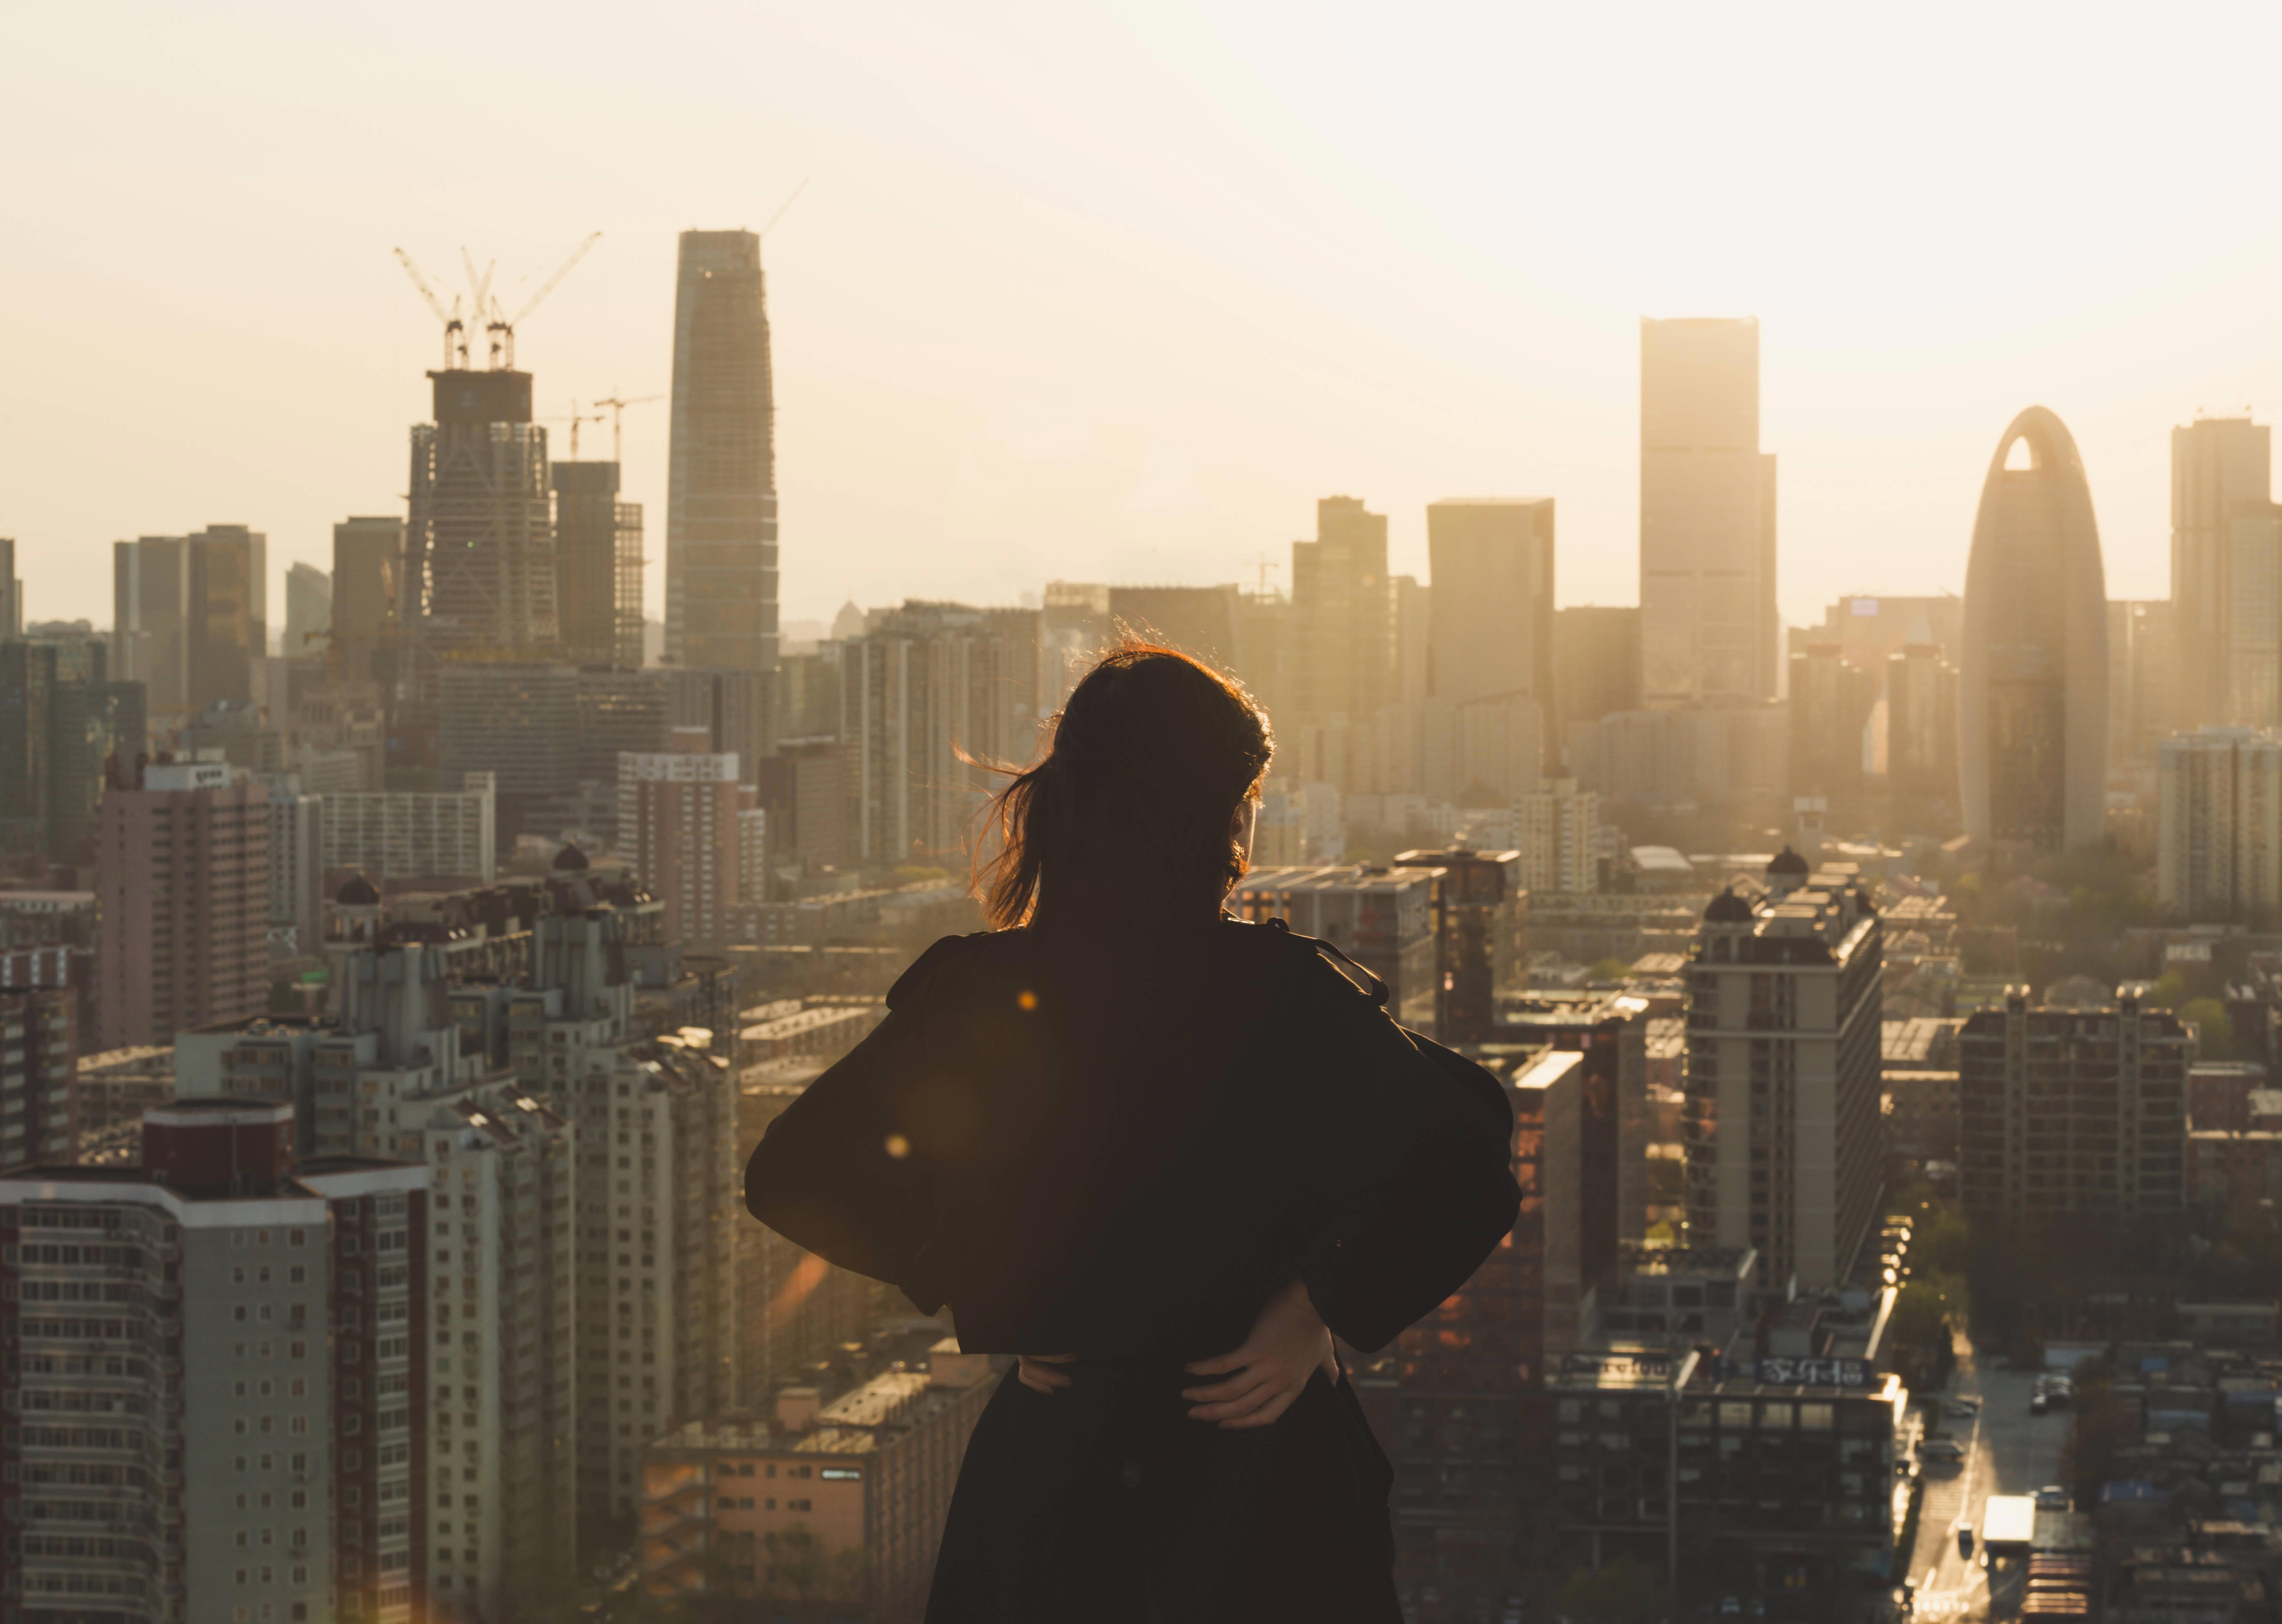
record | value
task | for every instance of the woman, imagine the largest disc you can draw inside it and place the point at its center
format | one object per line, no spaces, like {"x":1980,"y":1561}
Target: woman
{"x":1164,"y":1157}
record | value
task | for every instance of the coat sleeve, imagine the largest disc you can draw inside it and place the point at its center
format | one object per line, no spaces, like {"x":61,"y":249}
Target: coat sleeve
{"x":1415,"y":1160}
{"x":832,"y":1174}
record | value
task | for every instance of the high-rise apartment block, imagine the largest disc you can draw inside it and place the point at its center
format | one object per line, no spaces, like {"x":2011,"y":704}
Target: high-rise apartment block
{"x":1489,"y":645}
{"x":1921,"y":723}
{"x":407,"y":834}
{"x":182,"y":881}
{"x":2073,"y":1112}
{"x":39,"y":1058}
{"x":721,"y":506}
{"x":2218,"y":853}
{"x":1709,"y":631}
{"x":297,"y":869}
{"x":1556,"y":830}
{"x":1784,"y":1051}
{"x":368,"y":599}
{"x":679,"y":825}
{"x":479,"y":540}
{"x":598,"y":559}
{"x":2226,"y":572}
{"x":2032,"y":706}
{"x":211,"y":1359}
{"x":1610,"y":1030}
{"x":927,"y":682}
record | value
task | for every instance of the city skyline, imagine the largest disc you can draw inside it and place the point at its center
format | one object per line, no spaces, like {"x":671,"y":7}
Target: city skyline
{"x":1013,"y":367}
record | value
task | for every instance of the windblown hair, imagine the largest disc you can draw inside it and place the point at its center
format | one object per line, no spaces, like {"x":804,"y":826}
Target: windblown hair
{"x":1130,"y":806}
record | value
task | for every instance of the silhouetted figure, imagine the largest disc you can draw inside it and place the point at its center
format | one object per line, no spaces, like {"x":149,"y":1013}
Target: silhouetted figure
{"x":1157,"y":1153}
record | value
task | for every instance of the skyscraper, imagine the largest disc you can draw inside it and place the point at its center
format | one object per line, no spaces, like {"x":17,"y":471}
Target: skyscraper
{"x":228,"y":620}
{"x":1709,"y":631}
{"x":150,"y":619}
{"x":11,"y":591}
{"x":368,"y":597}
{"x":2221,"y":473}
{"x":308,"y":610}
{"x":1596,"y":649}
{"x":479,"y":546}
{"x":598,"y":558}
{"x":2032,"y":710}
{"x":721,"y":501}
{"x":1342,"y":658}
{"x":1490,"y":637}
{"x":2218,"y":852}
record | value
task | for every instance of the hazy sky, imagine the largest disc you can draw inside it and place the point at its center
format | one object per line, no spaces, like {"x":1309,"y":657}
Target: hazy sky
{"x":1116,"y":291}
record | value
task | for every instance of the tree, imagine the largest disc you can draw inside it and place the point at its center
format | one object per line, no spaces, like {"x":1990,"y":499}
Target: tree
{"x":1611,"y":969}
{"x":2215,"y":1032}
{"x":1623,"y":1592}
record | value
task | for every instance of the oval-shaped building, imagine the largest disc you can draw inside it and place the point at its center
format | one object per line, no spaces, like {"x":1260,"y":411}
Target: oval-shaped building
{"x":2032,"y":689}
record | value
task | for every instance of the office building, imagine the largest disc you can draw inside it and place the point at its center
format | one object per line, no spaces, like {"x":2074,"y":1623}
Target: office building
{"x":679,"y":825}
{"x":1708,"y":627}
{"x":1489,"y":645}
{"x":479,"y":540}
{"x":151,"y":619}
{"x":297,"y":869}
{"x":1384,"y":919}
{"x":519,"y":722}
{"x":926,"y":683}
{"x":2032,"y":683}
{"x":2218,"y":853}
{"x":1921,"y":723}
{"x":1830,"y":700}
{"x":182,"y":881}
{"x":841,"y":1503}
{"x":2224,"y":578}
{"x":309,"y":611}
{"x":11,"y":591}
{"x":621,"y":711}
{"x":598,"y":563}
{"x":721,"y":507}
{"x":265,"y":1458}
{"x":1458,"y":1402}
{"x":1556,"y":830}
{"x":1341,"y":663}
{"x":1482,"y":904}
{"x":803,"y":790}
{"x":1610,"y":1030}
{"x":1197,"y":620}
{"x":368,"y":599}
{"x":1596,"y":655}
{"x":1782,"y":1120}
{"x":2073,"y":1112}
{"x":745,"y":712}
{"x":409,"y":835}
{"x":228,"y":630}
{"x":2144,"y":702}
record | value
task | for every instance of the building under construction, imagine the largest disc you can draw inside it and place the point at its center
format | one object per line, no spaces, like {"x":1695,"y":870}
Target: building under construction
{"x":479,"y":544}
{"x":598,"y":566}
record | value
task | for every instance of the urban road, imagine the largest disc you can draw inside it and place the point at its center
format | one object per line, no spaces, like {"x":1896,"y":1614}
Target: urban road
{"x":2007,"y":1451}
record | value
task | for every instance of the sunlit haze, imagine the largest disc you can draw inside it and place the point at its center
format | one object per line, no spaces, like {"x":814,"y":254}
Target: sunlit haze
{"x":1116,"y":292}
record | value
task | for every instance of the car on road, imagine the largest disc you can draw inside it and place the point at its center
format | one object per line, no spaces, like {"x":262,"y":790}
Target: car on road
{"x":1945,"y":1450}
{"x":1965,"y":1539}
{"x":2038,"y":1404}
{"x":2051,"y":1497}
{"x":1963,"y":1406}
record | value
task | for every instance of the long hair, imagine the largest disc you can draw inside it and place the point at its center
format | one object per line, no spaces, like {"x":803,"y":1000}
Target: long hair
{"x":1131,"y":805}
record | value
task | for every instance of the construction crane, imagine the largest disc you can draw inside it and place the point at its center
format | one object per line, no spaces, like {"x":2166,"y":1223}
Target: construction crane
{"x":574,"y":420}
{"x":500,"y":327}
{"x":455,"y":331}
{"x":787,"y":203}
{"x":618,"y":408}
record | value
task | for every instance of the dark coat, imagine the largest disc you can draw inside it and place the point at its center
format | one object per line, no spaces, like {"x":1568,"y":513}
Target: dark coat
{"x":1119,"y":1148}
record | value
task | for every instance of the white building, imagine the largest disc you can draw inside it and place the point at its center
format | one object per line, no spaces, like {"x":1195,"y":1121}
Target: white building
{"x":297,"y":869}
{"x":1781,"y":1121}
{"x":2219,"y":824}
{"x":407,"y":834}
{"x":1557,"y":831}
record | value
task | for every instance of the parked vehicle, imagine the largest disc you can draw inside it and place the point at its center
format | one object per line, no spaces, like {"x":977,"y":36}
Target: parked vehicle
{"x":1941,"y":1450}
{"x":1962,"y":1408}
{"x":1964,"y":1540}
{"x":2051,"y":1497}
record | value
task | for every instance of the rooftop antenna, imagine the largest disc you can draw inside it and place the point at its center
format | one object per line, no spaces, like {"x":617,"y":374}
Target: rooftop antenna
{"x":455,"y":331}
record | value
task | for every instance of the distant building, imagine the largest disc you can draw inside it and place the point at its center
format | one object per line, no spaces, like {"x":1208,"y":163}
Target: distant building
{"x":182,"y":880}
{"x":1384,"y":919}
{"x":11,"y":591}
{"x":1921,"y":723}
{"x":517,"y":722}
{"x":2224,"y":573}
{"x":2032,"y":715}
{"x":368,"y":598}
{"x":1556,"y":830}
{"x":1830,"y":700}
{"x":679,"y":825}
{"x":39,"y":1055}
{"x":151,"y":618}
{"x":281,"y":1406}
{"x":745,"y":712}
{"x":1596,"y":664}
{"x":297,"y":870}
{"x":841,"y":1503}
{"x":228,"y":636}
{"x":1484,"y":924}
{"x":1610,"y":1030}
{"x":1783,"y":1126}
{"x":1491,"y":674}
{"x":309,"y":611}
{"x":1341,"y":663}
{"x":62,"y":724}
{"x":2144,"y":701}
{"x":2218,"y":852}
{"x":721,"y":511}
{"x":598,"y":564}
{"x":2073,"y":1111}
{"x":404,"y":834}
{"x":1668,"y":757}
{"x":1709,"y":629}
{"x":479,"y":539}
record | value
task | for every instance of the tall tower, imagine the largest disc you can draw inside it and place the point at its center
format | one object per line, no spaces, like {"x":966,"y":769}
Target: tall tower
{"x":479,"y":543}
{"x":2223,"y":590}
{"x":2032,"y":691}
{"x":598,"y":556}
{"x":1709,"y":632}
{"x":1490,"y":636}
{"x":721,"y":500}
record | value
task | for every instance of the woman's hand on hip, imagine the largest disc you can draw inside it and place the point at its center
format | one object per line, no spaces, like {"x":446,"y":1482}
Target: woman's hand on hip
{"x":1037,"y":1372}
{"x":1288,"y":1344}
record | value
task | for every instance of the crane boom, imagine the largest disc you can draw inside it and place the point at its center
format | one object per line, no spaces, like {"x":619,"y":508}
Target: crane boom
{"x":455,"y":331}
{"x":546,"y":287}
{"x":787,"y":203}
{"x":617,"y":405}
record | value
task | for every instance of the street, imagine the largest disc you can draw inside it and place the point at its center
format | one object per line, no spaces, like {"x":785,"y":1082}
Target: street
{"x":2008,"y":1451}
